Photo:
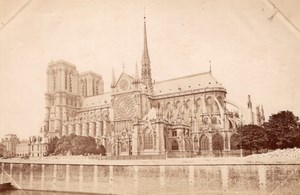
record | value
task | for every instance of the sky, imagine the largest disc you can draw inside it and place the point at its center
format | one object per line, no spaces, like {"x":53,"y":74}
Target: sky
{"x":254,"y":48}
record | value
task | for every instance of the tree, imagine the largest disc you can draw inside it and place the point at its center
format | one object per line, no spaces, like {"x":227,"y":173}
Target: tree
{"x":51,"y":145}
{"x":217,"y":142}
{"x":251,"y":137}
{"x":101,"y":150}
{"x":77,"y":145}
{"x":283,"y":130}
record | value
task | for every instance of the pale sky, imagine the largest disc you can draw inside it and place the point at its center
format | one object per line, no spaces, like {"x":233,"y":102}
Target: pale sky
{"x":251,"y":51}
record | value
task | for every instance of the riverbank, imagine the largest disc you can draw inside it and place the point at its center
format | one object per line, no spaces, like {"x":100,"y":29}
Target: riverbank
{"x":172,"y":161}
{"x":171,"y":176}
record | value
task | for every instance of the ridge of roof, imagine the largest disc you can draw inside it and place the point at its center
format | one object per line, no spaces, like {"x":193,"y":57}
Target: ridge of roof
{"x":89,"y":72}
{"x":183,"y":77}
{"x":56,"y":62}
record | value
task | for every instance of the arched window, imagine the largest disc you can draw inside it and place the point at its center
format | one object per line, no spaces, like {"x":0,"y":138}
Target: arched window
{"x":123,"y":147}
{"x":196,"y":144}
{"x":233,"y":142}
{"x":93,"y":87}
{"x":214,"y":120}
{"x":209,"y":103}
{"x":85,"y":88}
{"x":70,"y":82}
{"x":66,"y":80}
{"x":148,"y":141}
{"x":174,"y":145}
{"x":174,"y":133}
{"x":205,"y":121}
{"x":217,"y":141}
{"x":226,"y":141}
{"x":96,"y":88}
{"x":54,"y":81}
{"x":82,"y":88}
{"x":204,"y":142}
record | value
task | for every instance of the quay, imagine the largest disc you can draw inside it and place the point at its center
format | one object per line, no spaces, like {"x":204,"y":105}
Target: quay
{"x":171,"y":176}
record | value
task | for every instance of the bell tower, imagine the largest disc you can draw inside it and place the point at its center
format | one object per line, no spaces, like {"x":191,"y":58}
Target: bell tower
{"x":62,"y":98}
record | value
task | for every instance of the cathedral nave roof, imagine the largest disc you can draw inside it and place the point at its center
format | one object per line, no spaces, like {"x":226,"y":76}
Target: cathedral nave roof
{"x":186,"y":83}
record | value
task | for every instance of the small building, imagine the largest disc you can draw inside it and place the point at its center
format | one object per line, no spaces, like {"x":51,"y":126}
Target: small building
{"x":10,"y":141}
{"x":23,"y":149}
{"x":2,"y":150}
{"x":38,"y":145}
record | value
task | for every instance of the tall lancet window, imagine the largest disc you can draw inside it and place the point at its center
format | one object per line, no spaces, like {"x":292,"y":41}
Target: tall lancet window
{"x":66,"y":80}
{"x":70,"y":81}
{"x":94,"y":90}
{"x":97,"y":89}
{"x":54,"y":81}
{"x":82,"y":88}
{"x":85,"y":87}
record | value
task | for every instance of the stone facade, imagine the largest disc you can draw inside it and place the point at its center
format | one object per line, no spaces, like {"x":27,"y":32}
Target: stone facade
{"x":10,"y":141}
{"x":139,"y":116}
{"x":23,"y":149}
{"x":2,"y":150}
{"x":39,"y":144}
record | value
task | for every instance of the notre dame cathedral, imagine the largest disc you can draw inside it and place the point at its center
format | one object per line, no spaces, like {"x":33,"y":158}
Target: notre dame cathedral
{"x":142,"y":117}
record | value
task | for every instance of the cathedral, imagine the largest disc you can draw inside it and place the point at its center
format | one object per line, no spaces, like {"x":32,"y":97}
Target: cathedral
{"x":140,"y":117}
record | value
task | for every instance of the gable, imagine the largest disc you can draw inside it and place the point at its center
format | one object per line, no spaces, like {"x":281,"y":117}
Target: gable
{"x":124,"y":83}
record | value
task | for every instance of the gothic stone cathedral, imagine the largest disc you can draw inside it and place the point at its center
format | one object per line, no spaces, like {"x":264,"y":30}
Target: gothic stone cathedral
{"x":139,"y":116}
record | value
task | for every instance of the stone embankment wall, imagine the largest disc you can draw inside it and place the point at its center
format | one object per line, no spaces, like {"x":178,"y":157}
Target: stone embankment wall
{"x":153,"y":178}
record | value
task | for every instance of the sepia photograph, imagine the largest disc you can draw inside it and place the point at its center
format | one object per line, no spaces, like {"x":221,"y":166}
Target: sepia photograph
{"x":149,"y":97}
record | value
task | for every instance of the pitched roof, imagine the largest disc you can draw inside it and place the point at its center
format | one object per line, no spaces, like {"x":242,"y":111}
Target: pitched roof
{"x":191,"y":82}
{"x":96,"y":101}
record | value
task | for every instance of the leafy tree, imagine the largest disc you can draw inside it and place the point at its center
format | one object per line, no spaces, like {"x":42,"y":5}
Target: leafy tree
{"x":51,"y":145}
{"x":283,"y":130}
{"x":101,"y":150}
{"x":78,"y":145}
{"x":218,"y":143}
{"x":251,"y":137}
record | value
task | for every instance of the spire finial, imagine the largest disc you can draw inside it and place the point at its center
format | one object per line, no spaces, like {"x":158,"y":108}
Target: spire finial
{"x":209,"y":65}
{"x":123,"y":67}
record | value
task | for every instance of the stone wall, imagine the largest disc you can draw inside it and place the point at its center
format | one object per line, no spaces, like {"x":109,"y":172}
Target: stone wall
{"x":158,"y":179}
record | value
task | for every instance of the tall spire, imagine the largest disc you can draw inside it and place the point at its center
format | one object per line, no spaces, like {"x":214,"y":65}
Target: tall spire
{"x":146,"y":69}
{"x":262,"y":113}
{"x":137,"y":72}
{"x":250,"y":110}
{"x":249,"y":102}
{"x":146,"y":58}
{"x":113,"y":79}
